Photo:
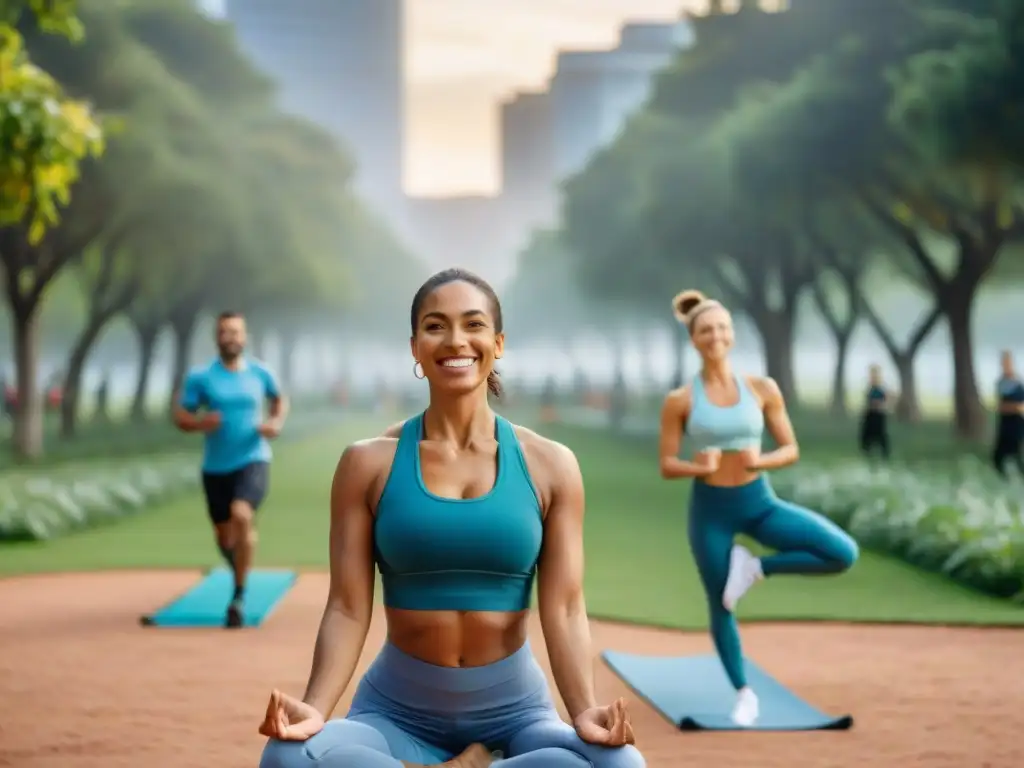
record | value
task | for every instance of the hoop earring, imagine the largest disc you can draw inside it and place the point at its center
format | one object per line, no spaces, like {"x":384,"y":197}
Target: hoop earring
{"x":417,"y":370}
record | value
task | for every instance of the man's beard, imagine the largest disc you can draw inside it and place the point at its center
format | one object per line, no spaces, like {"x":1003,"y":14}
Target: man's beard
{"x":232,"y":352}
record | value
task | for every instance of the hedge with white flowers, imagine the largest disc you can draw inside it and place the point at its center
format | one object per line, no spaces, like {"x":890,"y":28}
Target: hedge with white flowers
{"x":961,"y":520}
{"x":39,"y":507}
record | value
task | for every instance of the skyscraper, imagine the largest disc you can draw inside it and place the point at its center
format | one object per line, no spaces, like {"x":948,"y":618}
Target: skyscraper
{"x":527,"y":156}
{"x":593,"y":93}
{"x":340,"y":64}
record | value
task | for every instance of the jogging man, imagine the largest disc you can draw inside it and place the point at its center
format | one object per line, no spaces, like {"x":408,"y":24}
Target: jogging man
{"x":224,"y":400}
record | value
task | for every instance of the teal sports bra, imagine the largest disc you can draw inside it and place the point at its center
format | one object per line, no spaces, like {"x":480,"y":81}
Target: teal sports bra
{"x":728,"y":428}
{"x":441,"y":554}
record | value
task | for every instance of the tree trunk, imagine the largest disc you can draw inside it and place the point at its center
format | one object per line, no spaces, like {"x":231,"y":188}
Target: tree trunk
{"x":908,"y":406}
{"x":680,"y":338}
{"x":147,"y":335}
{"x":183,"y":327}
{"x":107,"y":301}
{"x":976,"y":257}
{"x":969,"y":416}
{"x":980,"y":237}
{"x":28,"y":417}
{"x":777,"y":331}
{"x":256,"y":342}
{"x":28,"y":270}
{"x":287,"y":345}
{"x":72,"y":394}
{"x":615,"y":400}
{"x":842,"y":332}
{"x":837,"y":403}
{"x":775,"y":321}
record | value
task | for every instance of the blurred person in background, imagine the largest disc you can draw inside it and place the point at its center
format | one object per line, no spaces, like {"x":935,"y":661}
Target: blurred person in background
{"x":1010,"y":420}
{"x":224,"y":400}
{"x":723,"y":415}
{"x":874,"y":426}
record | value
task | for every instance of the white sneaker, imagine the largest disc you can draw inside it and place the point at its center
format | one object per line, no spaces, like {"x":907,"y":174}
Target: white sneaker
{"x":744,"y":572}
{"x":746,"y":710}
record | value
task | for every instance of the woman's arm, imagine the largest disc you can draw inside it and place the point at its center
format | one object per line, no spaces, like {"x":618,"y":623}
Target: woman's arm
{"x":561,"y":605}
{"x":673,"y":421}
{"x":776,"y":418}
{"x":346,"y":618}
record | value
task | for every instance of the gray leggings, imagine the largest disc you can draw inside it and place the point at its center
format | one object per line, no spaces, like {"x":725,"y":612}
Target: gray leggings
{"x":408,"y":710}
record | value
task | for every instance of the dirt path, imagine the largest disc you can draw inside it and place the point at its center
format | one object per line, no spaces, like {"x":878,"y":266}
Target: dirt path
{"x":83,"y":686}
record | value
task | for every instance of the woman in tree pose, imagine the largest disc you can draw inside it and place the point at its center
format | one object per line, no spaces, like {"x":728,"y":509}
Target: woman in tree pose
{"x":460,"y":510}
{"x":723,"y":416}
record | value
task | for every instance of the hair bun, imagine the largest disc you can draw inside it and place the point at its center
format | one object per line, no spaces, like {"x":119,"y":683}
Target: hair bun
{"x":684,"y":303}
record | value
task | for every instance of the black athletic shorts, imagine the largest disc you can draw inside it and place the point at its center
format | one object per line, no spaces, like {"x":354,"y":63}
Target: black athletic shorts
{"x":250,"y":483}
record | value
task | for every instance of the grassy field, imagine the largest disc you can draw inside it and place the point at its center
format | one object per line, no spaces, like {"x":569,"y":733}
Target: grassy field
{"x":638,"y":563}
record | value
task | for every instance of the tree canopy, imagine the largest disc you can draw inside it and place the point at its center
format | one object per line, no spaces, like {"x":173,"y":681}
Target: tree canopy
{"x":208,"y":196}
{"x":829,"y":140}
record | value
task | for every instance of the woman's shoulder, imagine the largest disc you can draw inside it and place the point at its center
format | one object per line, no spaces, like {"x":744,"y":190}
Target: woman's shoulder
{"x":681,"y":392}
{"x":543,"y":450}
{"x":368,"y":457}
{"x":394,"y":431}
{"x":764,"y":387}
{"x":552,"y":465}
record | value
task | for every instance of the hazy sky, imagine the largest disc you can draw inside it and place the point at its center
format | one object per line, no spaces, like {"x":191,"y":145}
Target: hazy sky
{"x":464,"y":56}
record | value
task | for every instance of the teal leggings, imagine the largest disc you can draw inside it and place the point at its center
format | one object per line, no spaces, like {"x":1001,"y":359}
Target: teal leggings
{"x":805,"y":541}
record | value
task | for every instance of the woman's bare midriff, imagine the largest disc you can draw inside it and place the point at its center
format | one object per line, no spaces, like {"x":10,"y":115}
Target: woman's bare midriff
{"x":731,"y":472}
{"x":457,"y":638}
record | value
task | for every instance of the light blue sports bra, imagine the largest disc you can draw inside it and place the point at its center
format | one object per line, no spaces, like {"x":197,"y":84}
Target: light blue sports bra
{"x":730,"y":428}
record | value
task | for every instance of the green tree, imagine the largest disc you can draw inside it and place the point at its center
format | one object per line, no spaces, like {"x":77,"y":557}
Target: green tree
{"x":384,"y":275}
{"x":621,"y":237}
{"x":44,"y":136}
{"x":671,"y":197}
{"x":844,"y":99}
{"x":154,"y":168}
{"x":965,"y":102}
{"x":543,"y":294}
{"x":215,"y":198}
{"x":837,"y":290}
{"x":295,"y":268}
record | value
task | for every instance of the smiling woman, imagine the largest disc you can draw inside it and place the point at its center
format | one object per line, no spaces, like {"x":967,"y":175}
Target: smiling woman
{"x":460,"y":511}
{"x":479,"y":317}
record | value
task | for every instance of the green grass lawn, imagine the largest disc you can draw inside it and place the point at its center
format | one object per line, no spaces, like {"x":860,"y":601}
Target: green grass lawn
{"x":639,"y":567}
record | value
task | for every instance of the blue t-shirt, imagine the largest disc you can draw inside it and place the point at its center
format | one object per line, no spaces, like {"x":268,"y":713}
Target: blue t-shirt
{"x":238,"y":396}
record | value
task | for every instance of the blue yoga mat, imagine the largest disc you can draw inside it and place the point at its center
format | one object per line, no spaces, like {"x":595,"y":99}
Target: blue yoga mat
{"x":205,"y":604}
{"x":693,"y":693}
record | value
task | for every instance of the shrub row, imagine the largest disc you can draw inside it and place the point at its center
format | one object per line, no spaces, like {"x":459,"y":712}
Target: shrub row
{"x":39,"y":507}
{"x":958,"y":519}
{"x":44,"y":504}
